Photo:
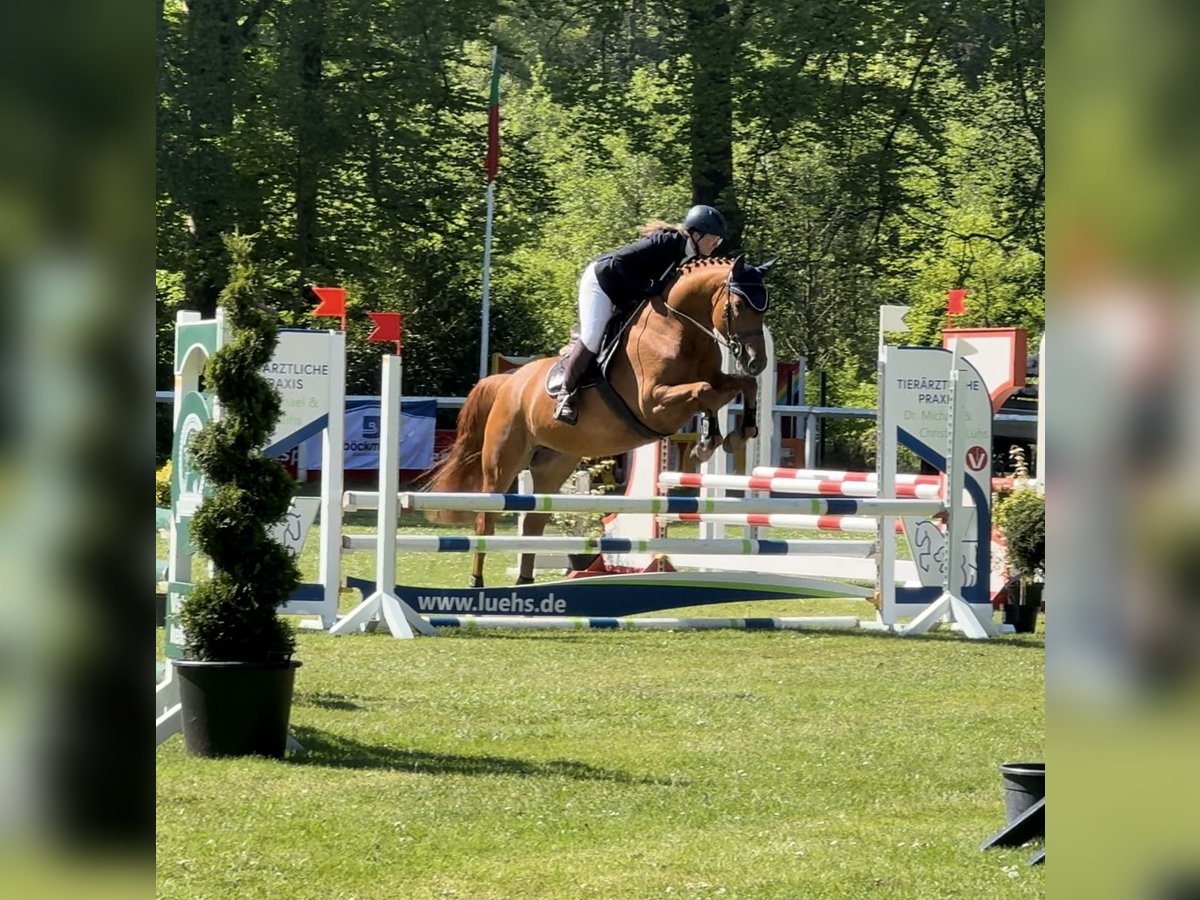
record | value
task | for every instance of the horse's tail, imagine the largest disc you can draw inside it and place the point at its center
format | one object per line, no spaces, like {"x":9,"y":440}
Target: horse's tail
{"x":462,"y":471}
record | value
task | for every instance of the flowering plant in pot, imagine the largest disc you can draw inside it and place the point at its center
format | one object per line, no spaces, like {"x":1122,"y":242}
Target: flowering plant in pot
{"x":236,"y":680}
{"x":1021,"y":517}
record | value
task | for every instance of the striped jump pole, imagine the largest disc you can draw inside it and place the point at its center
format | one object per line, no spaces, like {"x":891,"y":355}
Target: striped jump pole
{"x":557,"y":544}
{"x":998,"y":484}
{"x":828,"y":487}
{"x":836,"y":475}
{"x":606,"y":505}
{"x":842,"y":524}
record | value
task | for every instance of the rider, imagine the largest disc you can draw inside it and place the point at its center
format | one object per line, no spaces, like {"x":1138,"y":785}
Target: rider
{"x":621,"y":279}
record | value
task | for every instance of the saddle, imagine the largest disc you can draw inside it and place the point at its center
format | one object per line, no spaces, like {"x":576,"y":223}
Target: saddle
{"x":597,"y":370}
{"x":596,"y":374}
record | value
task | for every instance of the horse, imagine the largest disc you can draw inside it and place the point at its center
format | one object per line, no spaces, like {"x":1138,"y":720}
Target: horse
{"x":667,"y":368}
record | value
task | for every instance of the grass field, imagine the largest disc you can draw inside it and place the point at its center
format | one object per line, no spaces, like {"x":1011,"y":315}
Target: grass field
{"x":620,"y":764}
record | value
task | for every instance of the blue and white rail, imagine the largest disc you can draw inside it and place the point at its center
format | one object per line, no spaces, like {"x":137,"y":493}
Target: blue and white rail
{"x":562,"y":544}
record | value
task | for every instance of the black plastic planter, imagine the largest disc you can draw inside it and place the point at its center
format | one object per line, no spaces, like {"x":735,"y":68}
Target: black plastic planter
{"x":1024,"y":808}
{"x":236,"y":708}
{"x":1023,"y":618}
{"x":1022,"y":605}
{"x":1024,"y":785}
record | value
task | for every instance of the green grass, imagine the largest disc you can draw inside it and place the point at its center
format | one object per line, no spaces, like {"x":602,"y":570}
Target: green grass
{"x":619,"y":764}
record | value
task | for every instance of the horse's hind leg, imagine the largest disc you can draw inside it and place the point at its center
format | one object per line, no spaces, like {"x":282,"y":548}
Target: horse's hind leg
{"x":550,"y":469}
{"x":484,"y":524}
{"x":506,"y":450}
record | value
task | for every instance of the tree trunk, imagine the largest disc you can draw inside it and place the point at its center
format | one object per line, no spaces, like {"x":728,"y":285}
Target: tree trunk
{"x":712,"y":44}
{"x":311,"y":136}
{"x":211,"y":63}
{"x":162,"y":87}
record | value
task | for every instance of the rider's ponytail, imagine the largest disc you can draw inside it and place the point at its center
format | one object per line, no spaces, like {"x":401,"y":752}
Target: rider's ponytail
{"x":656,"y":225}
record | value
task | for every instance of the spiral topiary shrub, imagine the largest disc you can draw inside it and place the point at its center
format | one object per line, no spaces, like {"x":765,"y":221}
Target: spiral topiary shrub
{"x":232,"y":617}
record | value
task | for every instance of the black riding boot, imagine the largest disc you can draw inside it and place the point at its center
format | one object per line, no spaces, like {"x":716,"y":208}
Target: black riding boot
{"x":577,"y":363}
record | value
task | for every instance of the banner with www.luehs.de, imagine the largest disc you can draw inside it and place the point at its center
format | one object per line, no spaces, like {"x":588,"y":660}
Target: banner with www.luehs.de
{"x":607,"y":595}
{"x":417,"y":421}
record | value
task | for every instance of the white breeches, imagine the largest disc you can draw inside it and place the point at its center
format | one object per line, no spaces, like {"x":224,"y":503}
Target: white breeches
{"x":595,"y":309}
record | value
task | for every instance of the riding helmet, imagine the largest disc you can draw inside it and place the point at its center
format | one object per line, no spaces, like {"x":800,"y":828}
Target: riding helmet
{"x":706,"y":220}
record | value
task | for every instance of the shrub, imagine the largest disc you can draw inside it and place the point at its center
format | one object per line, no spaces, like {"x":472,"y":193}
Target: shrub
{"x":1022,"y":518}
{"x":232,"y":616}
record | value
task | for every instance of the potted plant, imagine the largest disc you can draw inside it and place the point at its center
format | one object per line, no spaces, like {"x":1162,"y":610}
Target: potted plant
{"x":588,"y":479}
{"x":1021,"y":517}
{"x":236,"y":680}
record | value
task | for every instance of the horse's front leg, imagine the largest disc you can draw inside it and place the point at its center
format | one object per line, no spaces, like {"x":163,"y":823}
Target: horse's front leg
{"x":705,"y":395}
{"x":709,"y":438}
{"x":708,"y":396}
{"x":749,"y":429}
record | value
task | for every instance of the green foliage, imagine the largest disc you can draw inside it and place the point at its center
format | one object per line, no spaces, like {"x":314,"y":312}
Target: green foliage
{"x":884,"y":152}
{"x":1022,"y":518}
{"x":233,"y":615}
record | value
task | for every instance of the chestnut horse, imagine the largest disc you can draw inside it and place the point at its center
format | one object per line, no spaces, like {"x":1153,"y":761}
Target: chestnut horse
{"x":668,"y":368}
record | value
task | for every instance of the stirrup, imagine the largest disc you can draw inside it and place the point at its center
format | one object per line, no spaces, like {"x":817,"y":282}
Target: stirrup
{"x":565,"y":410}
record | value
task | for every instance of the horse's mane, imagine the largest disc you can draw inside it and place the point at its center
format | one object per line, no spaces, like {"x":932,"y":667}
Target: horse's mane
{"x":703,"y":262}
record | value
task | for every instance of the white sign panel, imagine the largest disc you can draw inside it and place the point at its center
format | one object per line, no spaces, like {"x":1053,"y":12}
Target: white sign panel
{"x":303,"y":373}
{"x":917,"y":400}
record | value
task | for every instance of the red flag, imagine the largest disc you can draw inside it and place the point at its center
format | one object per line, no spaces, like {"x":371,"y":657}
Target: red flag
{"x":493,"y":148}
{"x":956,"y":302}
{"x":333,"y":303}
{"x":389,"y":326}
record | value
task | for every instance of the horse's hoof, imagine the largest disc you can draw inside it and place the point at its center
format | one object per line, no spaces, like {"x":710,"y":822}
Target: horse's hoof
{"x":523,"y":580}
{"x":476,"y":581}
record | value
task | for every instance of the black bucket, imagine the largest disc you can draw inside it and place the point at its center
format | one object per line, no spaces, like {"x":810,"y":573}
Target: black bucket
{"x":236,"y":708}
{"x":1023,"y":618}
{"x":1023,"y":601}
{"x":1024,"y":785}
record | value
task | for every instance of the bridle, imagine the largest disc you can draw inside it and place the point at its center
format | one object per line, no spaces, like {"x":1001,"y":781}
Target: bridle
{"x":733,"y":341}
